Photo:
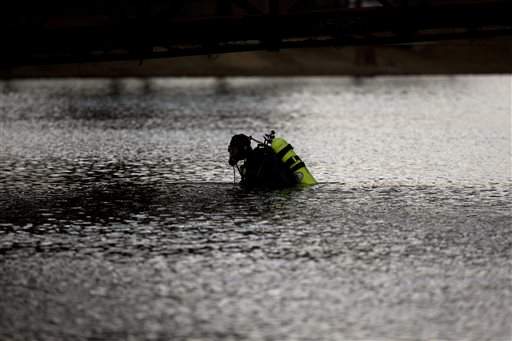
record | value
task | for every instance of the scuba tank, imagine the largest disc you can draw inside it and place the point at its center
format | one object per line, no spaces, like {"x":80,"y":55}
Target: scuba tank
{"x":287,"y":155}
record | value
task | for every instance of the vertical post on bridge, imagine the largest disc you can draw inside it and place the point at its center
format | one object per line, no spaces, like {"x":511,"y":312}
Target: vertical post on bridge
{"x":224,"y":8}
{"x":273,"y":35}
{"x":273,"y":7}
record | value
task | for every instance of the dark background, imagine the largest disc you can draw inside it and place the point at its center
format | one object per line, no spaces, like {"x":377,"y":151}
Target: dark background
{"x":254,"y":37}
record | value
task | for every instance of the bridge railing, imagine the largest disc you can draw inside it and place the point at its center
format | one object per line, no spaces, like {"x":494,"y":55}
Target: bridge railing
{"x":134,"y":29}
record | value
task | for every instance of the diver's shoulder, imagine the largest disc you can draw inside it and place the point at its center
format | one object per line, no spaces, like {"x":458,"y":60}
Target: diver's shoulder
{"x":263,"y":150}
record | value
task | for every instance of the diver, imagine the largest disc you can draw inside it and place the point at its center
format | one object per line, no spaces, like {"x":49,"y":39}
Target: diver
{"x":272,"y":164}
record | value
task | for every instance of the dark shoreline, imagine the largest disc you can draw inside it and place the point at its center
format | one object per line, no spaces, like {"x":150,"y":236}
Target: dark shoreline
{"x":490,"y":56}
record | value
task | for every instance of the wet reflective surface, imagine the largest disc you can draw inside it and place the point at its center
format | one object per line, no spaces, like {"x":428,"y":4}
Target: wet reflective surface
{"x":119,"y":218}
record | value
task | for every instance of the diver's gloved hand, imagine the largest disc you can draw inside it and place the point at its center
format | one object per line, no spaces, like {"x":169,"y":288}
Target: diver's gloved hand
{"x":239,"y":148}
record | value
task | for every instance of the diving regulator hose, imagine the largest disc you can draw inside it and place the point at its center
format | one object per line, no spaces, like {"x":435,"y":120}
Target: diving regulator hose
{"x":234,"y":173}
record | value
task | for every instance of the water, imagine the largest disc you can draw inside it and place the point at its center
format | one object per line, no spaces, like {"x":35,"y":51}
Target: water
{"x":119,"y":219}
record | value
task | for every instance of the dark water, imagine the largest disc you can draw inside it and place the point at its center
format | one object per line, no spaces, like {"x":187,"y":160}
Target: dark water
{"x":119,"y":219}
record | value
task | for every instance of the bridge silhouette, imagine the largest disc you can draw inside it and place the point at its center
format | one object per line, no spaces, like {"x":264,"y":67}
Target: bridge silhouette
{"x":49,"y":32}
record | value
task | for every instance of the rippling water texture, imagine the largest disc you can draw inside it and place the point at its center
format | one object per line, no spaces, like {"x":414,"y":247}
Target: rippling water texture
{"x":119,"y":218}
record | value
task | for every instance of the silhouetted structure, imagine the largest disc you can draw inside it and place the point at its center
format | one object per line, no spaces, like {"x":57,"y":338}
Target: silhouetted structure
{"x":101,"y":30}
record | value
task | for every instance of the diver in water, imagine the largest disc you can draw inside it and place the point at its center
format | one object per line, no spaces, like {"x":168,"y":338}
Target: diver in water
{"x":272,"y":164}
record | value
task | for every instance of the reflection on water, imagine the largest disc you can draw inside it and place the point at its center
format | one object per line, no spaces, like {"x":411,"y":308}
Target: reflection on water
{"x":119,"y":218}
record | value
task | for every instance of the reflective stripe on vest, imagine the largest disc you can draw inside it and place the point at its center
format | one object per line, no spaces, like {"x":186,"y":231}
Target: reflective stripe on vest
{"x":283,"y":151}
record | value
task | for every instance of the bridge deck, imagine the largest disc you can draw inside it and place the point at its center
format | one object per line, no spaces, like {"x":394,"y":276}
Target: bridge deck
{"x":156,"y":29}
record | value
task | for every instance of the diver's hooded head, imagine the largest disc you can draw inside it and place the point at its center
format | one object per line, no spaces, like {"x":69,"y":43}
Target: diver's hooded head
{"x":239,"y":148}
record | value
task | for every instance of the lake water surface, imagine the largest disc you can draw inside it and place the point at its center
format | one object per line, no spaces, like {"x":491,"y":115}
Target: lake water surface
{"x":119,"y":219}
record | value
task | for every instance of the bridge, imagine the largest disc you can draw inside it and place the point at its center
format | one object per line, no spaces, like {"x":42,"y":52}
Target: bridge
{"x":49,"y":32}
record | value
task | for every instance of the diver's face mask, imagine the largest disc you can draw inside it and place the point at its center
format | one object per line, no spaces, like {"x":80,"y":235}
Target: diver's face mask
{"x":239,"y":148}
